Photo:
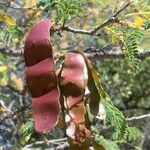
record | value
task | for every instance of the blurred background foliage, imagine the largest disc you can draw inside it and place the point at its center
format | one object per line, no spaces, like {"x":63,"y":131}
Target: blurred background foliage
{"x":126,"y":80}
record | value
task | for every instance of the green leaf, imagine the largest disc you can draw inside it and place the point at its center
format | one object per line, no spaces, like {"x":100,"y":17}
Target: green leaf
{"x":132,"y":49}
{"x":115,"y":118}
{"x":132,"y":133}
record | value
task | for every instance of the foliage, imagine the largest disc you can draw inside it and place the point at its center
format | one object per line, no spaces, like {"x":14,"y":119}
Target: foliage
{"x":65,"y":10}
{"x":115,"y":118}
{"x":113,"y":115}
{"x":9,"y":35}
{"x":119,"y":123}
{"x":26,"y":132}
{"x":131,"y":49}
{"x":132,"y":133}
{"x":99,"y":140}
{"x":147,"y":25}
{"x":128,"y":91}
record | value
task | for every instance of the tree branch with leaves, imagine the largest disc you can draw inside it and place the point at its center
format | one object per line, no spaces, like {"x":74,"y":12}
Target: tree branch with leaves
{"x":59,"y":95}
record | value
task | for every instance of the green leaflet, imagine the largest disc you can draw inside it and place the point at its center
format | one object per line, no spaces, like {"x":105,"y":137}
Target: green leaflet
{"x":147,"y":25}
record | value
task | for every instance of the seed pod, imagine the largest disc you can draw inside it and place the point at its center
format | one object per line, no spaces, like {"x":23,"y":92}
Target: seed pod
{"x":40,"y":76}
{"x":73,"y":82}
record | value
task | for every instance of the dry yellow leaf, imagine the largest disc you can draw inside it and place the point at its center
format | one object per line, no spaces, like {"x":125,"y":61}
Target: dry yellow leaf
{"x":8,"y":19}
{"x":17,"y":82}
{"x":138,"y":21}
{"x":114,"y":38}
{"x":32,"y":3}
{"x":2,"y":109}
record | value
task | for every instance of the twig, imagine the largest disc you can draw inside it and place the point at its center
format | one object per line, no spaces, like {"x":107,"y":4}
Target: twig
{"x":92,"y":54}
{"x":137,"y":13}
{"x":62,"y":146}
{"x":110,"y":20}
{"x":93,"y":31}
{"x":11,"y":52}
{"x":54,"y":142}
{"x":132,"y":118}
{"x":138,"y":117}
{"x":14,"y":113}
{"x":101,"y":54}
{"x":79,"y":31}
{"x":11,"y":5}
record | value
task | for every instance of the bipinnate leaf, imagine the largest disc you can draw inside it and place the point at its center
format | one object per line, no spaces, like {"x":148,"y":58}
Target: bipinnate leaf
{"x":41,"y":77}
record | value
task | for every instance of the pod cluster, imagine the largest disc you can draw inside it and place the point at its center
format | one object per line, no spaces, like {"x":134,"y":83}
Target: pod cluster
{"x":63,"y":95}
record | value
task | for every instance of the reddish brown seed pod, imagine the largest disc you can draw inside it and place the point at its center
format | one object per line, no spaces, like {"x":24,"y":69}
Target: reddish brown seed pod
{"x":73,"y":81}
{"x":40,"y":76}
